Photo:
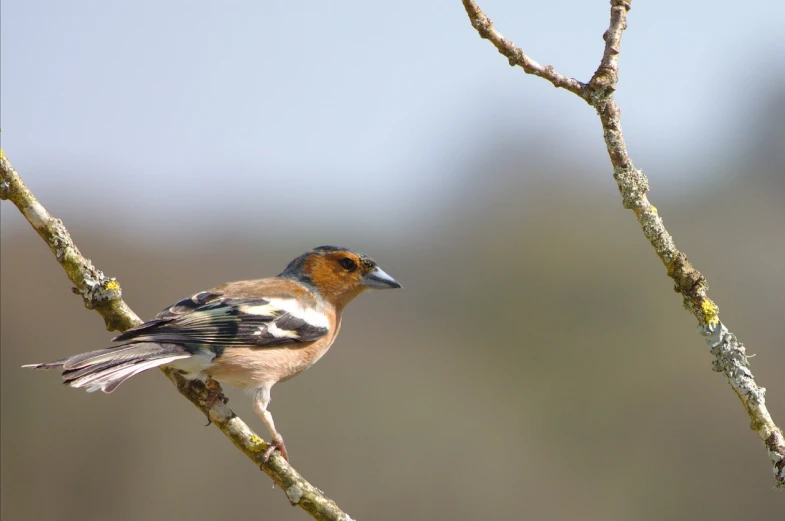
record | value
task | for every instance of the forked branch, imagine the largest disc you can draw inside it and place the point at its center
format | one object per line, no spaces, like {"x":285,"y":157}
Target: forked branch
{"x":730,"y":357}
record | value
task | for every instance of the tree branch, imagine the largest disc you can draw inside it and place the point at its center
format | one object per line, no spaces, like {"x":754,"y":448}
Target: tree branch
{"x":104,"y":295}
{"x":514,"y":54}
{"x":730,"y":357}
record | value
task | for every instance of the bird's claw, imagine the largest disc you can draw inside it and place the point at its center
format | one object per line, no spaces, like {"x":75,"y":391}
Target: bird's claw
{"x":214,"y":394}
{"x":274,"y":445}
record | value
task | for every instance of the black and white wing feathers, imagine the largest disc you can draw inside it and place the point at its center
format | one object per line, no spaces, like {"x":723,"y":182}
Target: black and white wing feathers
{"x":212,"y":319}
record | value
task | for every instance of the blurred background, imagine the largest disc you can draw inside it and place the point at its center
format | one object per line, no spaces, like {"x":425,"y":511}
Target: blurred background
{"x":537,"y":365}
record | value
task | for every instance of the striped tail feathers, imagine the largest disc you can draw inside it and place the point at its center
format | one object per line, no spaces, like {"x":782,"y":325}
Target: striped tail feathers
{"x":107,"y":379}
{"x":105,"y":369}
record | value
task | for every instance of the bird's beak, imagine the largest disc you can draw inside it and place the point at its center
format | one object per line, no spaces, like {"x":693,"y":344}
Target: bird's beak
{"x":378,"y":279}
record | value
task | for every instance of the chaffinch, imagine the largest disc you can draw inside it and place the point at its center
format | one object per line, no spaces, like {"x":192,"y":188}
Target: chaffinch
{"x":251,"y":334}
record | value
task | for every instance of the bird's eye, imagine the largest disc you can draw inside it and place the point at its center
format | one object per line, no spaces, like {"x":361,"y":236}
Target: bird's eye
{"x":348,"y":264}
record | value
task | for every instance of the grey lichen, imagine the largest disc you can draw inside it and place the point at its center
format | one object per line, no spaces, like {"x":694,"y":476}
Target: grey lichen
{"x":102,"y":288}
{"x":294,"y":493}
{"x":633,"y":185}
{"x":730,"y":358}
{"x":597,"y":98}
{"x":654,"y":230}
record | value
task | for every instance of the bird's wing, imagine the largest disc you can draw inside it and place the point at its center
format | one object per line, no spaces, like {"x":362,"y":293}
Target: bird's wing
{"x":211,"y":318}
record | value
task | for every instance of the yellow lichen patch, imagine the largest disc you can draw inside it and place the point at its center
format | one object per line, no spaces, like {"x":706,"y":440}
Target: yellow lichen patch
{"x":710,"y":312}
{"x":257,"y":445}
{"x":2,"y":154}
{"x":111,"y":285}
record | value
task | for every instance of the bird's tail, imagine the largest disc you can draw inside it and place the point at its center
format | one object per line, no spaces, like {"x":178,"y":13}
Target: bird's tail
{"x":105,"y":369}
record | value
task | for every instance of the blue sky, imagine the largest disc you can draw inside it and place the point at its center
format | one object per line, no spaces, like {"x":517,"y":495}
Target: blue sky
{"x":154,"y":108}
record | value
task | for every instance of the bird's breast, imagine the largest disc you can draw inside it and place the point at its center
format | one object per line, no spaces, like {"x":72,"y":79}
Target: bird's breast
{"x":264,"y":366}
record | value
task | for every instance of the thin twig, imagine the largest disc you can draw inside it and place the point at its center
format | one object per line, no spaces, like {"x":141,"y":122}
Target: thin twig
{"x":104,"y":295}
{"x":730,"y":357}
{"x":514,"y":54}
{"x":607,"y":74}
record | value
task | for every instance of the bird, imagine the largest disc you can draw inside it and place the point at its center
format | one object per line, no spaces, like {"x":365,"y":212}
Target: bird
{"x":250,"y":334}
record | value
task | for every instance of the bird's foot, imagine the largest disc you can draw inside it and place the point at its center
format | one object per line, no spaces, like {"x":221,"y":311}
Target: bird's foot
{"x":214,"y":394}
{"x":275,"y":444}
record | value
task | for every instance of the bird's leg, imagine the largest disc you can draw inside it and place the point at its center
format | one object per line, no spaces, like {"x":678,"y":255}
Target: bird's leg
{"x":214,"y":393}
{"x":260,"y":403}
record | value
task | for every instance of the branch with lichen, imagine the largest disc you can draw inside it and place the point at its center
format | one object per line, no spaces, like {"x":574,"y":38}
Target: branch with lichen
{"x":104,"y":295}
{"x":730,"y":357}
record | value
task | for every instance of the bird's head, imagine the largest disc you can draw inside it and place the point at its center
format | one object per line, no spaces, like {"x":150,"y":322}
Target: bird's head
{"x":338,"y":274}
